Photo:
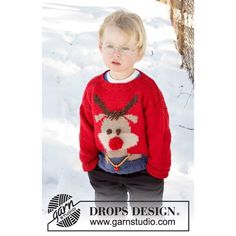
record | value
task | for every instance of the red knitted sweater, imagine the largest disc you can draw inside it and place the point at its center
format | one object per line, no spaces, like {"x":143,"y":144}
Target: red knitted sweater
{"x":125,"y":118}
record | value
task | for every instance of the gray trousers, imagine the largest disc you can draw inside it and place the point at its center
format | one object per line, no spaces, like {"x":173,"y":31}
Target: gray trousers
{"x":113,"y":187}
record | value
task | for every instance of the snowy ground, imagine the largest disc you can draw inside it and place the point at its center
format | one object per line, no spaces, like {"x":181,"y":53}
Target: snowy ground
{"x":71,"y":58}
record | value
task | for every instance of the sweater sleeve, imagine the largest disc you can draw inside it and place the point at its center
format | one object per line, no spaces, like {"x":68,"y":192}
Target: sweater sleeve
{"x":88,"y":150}
{"x":158,"y":134}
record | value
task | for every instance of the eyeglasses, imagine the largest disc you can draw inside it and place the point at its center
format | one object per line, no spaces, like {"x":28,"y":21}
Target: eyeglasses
{"x":124,"y":51}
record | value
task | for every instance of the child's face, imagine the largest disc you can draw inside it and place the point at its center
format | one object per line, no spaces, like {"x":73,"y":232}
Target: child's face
{"x":119,"y":52}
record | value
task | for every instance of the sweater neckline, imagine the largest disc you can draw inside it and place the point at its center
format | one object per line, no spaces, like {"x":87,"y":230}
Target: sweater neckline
{"x":126,"y":85}
{"x":134,"y":75}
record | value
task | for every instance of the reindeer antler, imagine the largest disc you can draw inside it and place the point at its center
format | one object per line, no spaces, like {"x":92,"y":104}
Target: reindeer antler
{"x":129,"y":105}
{"x":114,"y":114}
{"x":101,"y":104}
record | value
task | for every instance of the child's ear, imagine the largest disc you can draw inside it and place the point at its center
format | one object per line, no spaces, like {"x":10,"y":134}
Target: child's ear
{"x":140,"y":56}
{"x":100,"y":46}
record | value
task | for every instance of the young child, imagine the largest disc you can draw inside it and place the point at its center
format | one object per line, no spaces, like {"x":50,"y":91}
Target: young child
{"x":124,"y":124}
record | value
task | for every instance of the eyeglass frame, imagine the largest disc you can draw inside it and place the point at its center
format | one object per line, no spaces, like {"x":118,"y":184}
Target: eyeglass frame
{"x":119,"y":49}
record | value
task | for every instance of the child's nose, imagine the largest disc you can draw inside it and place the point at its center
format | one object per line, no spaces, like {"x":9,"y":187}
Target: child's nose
{"x":116,"y":52}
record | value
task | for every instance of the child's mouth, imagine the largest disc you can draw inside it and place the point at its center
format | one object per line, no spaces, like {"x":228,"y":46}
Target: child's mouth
{"x":116,"y":63}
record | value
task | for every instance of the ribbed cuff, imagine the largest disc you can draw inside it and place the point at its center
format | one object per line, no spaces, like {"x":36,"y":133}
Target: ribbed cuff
{"x":157,"y":173}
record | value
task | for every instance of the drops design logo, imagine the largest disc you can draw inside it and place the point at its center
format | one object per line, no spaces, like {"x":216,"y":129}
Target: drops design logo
{"x":63,"y":210}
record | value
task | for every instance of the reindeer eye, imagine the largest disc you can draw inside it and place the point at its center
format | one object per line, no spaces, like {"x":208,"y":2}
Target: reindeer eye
{"x":118,"y":131}
{"x":109,"y":131}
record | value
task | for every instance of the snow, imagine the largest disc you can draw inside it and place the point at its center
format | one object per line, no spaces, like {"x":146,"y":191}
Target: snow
{"x":71,"y":58}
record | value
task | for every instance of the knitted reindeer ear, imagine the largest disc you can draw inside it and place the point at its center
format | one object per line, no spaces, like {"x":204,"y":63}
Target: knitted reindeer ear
{"x":99,"y":117}
{"x":132,"y":118}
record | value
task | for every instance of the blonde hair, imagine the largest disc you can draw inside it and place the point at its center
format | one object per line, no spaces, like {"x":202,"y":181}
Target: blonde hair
{"x":130,"y":24}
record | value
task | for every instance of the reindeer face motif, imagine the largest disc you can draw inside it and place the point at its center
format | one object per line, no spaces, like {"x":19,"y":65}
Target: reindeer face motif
{"x":116,"y":135}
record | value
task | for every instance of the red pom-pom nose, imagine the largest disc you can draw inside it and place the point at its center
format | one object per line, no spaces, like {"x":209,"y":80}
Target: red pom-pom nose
{"x":115,"y":143}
